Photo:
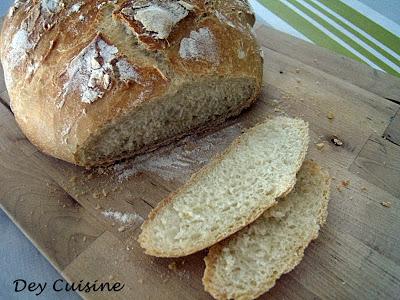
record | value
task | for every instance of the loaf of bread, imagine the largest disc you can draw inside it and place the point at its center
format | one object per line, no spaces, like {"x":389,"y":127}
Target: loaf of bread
{"x":229,"y":193}
{"x":248,"y":264}
{"x":95,"y":81}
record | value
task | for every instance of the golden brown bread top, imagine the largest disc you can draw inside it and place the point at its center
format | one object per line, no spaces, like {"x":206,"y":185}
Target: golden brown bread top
{"x":72,"y":66}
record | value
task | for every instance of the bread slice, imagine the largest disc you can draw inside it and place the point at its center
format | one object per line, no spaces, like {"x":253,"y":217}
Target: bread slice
{"x":229,"y":193}
{"x":249,"y":263}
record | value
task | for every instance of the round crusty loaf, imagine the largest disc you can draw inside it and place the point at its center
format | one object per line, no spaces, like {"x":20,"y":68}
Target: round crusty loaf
{"x":93,"y":81}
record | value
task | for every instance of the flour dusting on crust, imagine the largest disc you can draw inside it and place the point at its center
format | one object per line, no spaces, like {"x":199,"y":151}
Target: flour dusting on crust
{"x":158,"y":17}
{"x":65,"y":131}
{"x":241,"y":54}
{"x":39,"y":15}
{"x":75,"y":8}
{"x":18,"y":50}
{"x":31,"y":69}
{"x":89,"y":72}
{"x":223,"y":19}
{"x":93,"y":70}
{"x":13,"y":9}
{"x":201,"y":45}
{"x":52,"y":6}
{"x":126,"y":71}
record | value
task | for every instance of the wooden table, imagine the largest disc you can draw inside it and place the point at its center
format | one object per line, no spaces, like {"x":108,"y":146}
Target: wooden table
{"x":61,"y":208}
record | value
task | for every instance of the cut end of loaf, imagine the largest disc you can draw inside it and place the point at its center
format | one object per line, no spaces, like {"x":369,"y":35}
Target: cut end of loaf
{"x":248,"y":264}
{"x":106,"y":92}
{"x":194,"y":105}
{"x":229,"y":193}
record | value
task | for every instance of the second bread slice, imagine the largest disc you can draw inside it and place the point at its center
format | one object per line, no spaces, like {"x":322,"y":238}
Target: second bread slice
{"x":247,"y":264}
{"x":229,"y":193}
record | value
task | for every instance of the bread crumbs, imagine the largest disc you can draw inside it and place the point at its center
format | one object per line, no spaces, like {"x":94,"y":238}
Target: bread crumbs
{"x":345,"y":183}
{"x":172,"y":266}
{"x":320,"y":146}
{"x":122,"y":229}
{"x":337,"y":142}
{"x":330,"y":115}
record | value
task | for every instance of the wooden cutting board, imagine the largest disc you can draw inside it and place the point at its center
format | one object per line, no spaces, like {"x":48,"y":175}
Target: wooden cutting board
{"x":75,"y":217}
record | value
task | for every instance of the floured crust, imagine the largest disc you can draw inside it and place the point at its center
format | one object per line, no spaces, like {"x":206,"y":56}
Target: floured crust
{"x":154,"y":21}
{"x":215,"y":251}
{"x":39,"y":43}
{"x":144,"y":239}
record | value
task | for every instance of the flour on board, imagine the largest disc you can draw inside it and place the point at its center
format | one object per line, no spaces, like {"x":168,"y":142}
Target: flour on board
{"x":178,"y":162}
{"x":123,"y":218}
{"x":200,"y":45}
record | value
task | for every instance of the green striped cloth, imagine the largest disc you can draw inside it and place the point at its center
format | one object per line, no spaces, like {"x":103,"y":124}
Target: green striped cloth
{"x":348,"y":27}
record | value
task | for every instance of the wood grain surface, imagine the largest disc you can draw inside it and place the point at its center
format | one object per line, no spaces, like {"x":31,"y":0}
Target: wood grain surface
{"x":352,"y":110}
{"x":392,"y":133}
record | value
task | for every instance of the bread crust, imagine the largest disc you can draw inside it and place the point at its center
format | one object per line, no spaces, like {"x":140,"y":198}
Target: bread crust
{"x":52,"y":40}
{"x":144,"y":239}
{"x":215,"y":251}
